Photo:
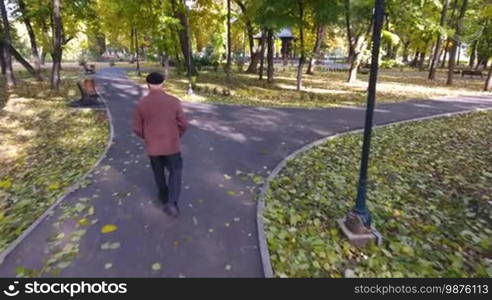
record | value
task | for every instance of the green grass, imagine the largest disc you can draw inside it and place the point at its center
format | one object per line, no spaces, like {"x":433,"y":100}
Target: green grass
{"x":325,"y":89}
{"x":45,"y":147}
{"x":429,"y":194}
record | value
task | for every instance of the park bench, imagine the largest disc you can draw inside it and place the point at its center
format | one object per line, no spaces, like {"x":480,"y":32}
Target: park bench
{"x":472,"y":73}
{"x":89,"y":96}
{"x":89,"y":69}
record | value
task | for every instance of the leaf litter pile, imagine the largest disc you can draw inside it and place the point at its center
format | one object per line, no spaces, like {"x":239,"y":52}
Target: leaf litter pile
{"x":430,"y":196}
{"x":45,"y":147}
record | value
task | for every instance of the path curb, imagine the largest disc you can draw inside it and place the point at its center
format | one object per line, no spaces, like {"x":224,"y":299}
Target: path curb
{"x":71,"y":189}
{"x":263,"y":244}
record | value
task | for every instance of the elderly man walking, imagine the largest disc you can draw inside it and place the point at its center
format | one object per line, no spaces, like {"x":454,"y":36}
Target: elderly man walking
{"x":160,"y":121}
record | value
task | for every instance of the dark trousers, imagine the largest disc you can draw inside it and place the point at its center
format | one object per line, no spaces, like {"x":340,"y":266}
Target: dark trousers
{"x":174,"y":164}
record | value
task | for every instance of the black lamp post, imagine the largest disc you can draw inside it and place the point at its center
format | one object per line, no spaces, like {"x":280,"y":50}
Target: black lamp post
{"x":358,"y":220}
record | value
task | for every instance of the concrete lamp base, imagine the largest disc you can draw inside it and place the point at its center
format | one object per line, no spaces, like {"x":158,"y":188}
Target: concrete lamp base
{"x":358,"y":235}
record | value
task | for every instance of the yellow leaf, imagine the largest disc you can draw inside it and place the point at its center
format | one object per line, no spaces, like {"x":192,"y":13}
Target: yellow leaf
{"x":84,"y":222}
{"x":108,"y":228}
{"x":5,"y":184}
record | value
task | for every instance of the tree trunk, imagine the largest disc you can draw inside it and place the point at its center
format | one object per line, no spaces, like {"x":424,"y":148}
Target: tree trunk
{"x":132,"y":42}
{"x":406,"y":51}
{"x":444,"y":59}
{"x":356,"y":60}
{"x":32,"y":38}
{"x":262,"y":53}
{"x":354,"y":67}
{"x":184,"y":35}
{"x":166,"y":65}
{"x":137,"y":56}
{"x":473,"y":54}
{"x":435,"y":58}
{"x":415,"y":59}
{"x":351,"y":48}
{"x":360,"y":47}
{"x":303,"y":51}
{"x":270,"y":66}
{"x":57,"y":45}
{"x":22,"y":60}
{"x":488,"y":82}
{"x":320,"y":32}
{"x":7,"y":58}
{"x":459,"y":31}
{"x":440,"y":57}
{"x":422,"y":61}
{"x":229,"y":42}
{"x":459,"y":54}
{"x":253,"y":64}
{"x":176,"y":48}
{"x":43,"y":57}
{"x":255,"y":56}
{"x":2,"y":61}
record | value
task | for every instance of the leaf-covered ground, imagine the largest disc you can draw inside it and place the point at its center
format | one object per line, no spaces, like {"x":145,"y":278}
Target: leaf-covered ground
{"x":430,"y":195}
{"x":325,"y":89}
{"x":45,"y":147}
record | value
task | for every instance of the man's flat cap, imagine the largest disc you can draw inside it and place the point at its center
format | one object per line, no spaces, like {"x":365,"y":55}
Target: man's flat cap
{"x":155,"y":78}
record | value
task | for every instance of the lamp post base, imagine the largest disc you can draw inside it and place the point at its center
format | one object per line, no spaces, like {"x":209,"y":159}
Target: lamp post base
{"x":356,"y":232}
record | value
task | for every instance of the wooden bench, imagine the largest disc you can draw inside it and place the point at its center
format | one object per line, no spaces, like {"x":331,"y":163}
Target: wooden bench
{"x":89,"y":96}
{"x":472,"y":73}
{"x":89,"y":69}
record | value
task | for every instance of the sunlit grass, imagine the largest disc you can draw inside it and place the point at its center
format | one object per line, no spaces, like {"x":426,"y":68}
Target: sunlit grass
{"x":45,"y":147}
{"x":324,"y":89}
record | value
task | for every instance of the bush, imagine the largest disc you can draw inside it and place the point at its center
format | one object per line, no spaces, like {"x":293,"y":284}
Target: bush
{"x":390,"y":63}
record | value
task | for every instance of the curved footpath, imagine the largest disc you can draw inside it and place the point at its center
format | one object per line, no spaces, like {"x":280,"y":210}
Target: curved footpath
{"x":216,"y":234}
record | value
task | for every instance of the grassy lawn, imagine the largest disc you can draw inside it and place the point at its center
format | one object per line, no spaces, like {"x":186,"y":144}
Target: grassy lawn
{"x":325,"y":89}
{"x":429,"y":194}
{"x":45,"y":147}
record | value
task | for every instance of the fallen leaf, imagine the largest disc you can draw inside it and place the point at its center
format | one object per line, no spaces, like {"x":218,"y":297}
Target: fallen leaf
{"x":108,"y":228}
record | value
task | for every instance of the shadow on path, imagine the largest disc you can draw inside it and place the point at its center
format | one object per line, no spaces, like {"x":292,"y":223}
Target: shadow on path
{"x":215,"y":235}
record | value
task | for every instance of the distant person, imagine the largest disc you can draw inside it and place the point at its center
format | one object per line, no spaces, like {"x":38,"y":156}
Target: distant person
{"x":159,"y":120}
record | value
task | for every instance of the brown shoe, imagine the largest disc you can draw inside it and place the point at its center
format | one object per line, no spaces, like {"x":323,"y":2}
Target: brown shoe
{"x":171,"y":209}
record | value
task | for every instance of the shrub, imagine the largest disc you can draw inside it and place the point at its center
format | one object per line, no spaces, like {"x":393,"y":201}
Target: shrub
{"x":390,"y":63}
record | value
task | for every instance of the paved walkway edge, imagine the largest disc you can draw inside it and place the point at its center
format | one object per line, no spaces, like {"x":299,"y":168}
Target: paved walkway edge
{"x":265,"y":254}
{"x":71,"y":189}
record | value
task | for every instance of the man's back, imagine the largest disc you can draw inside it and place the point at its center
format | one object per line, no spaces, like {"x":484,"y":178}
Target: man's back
{"x":160,"y":121}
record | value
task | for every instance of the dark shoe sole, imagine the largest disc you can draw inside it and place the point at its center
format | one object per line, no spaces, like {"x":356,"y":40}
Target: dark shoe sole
{"x":171,"y":210}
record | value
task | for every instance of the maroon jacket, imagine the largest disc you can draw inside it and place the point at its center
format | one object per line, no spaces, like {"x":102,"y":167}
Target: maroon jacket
{"x":159,"y":120}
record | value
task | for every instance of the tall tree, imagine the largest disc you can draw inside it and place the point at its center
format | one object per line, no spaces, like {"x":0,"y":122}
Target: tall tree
{"x":455,"y":41}
{"x":358,"y":27}
{"x":137,"y":50}
{"x":320,"y":32}
{"x":302,"y":57}
{"x":7,"y":41}
{"x":263,"y":40}
{"x":247,"y":9}
{"x":229,"y":42}
{"x":488,"y":81}
{"x":20,"y":59}
{"x":473,"y":54}
{"x":2,"y":61}
{"x":435,"y":58}
{"x":179,"y":10}
{"x":32,"y":37}
{"x":270,"y":62}
{"x":57,"y":44}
